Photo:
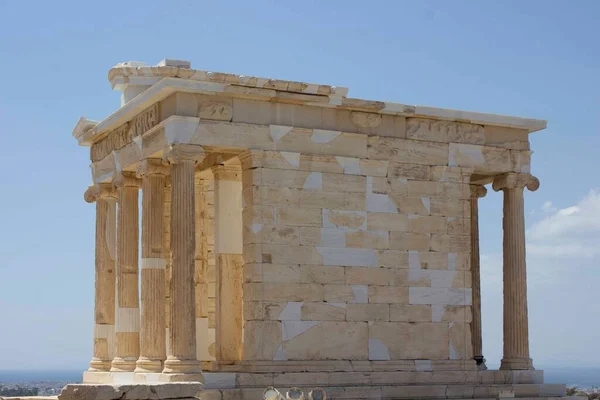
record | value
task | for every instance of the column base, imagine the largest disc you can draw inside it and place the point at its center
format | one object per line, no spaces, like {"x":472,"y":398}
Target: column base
{"x":120,"y":364}
{"x":480,"y":360}
{"x":516,"y":364}
{"x":177,"y":370}
{"x":145,"y":364}
{"x":99,"y":365}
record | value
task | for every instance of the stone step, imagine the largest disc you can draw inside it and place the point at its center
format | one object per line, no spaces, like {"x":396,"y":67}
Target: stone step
{"x":522,"y":391}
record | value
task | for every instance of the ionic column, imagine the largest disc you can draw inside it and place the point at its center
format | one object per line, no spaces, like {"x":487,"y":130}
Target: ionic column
{"x":127,"y":326}
{"x":104,"y":309}
{"x":516,"y":329}
{"x":152,"y":317}
{"x":181,"y":361}
{"x":229,"y":262}
{"x":167,"y":248}
{"x":477,"y":191}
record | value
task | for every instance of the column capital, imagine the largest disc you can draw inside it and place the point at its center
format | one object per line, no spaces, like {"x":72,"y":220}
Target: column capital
{"x":515,"y":180}
{"x":179,"y":152}
{"x":99,"y":191}
{"x":227,"y":172}
{"x":478,"y":191}
{"x":125,"y":179}
{"x":151,"y":166}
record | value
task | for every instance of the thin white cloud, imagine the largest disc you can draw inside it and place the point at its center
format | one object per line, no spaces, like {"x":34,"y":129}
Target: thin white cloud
{"x":568,"y":232}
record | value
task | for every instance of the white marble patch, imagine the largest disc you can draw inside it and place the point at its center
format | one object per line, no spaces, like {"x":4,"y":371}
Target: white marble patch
{"x":423,"y":365}
{"x":279,"y":131}
{"x":378,"y":350}
{"x":381,"y":203}
{"x":255,"y":228}
{"x":333,"y":237}
{"x":442,"y":296}
{"x":153,"y":263}
{"x":292,"y":158}
{"x":128,"y":319}
{"x":219,"y":380}
{"x":350,"y":164}
{"x":452,"y":261}
{"x":426,"y":203}
{"x":465,"y":155}
{"x":361,"y":293}
{"x":314,"y":181}
{"x":203,"y":339}
{"x":437,"y":312}
{"x":291,"y":311}
{"x":350,"y":257}
{"x":414,"y":260}
{"x":358,"y":214}
{"x":291,"y":329}
{"x":323,"y":136}
{"x":279,"y":356}
{"x":454,"y":355}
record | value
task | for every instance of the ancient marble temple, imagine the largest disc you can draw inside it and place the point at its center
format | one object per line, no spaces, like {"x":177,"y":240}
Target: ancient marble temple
{"x":254,"y":232}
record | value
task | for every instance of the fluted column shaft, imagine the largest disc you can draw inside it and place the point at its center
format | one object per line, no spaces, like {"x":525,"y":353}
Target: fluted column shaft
{"x":127,"y":306}
{"x":167,"y":248}
{"x":477,"y":191}
{"x":229,"y":262}
{"x":153,"y":264}
{"x":516,"y":325}
{"x":182,"y":327}
{"x":104,"y":299}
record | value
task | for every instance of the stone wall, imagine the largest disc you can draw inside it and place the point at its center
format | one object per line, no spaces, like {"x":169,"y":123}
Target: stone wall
{"x":357,"y":247}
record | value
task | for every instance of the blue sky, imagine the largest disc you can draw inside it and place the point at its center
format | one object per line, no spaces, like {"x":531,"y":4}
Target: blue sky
{"x":538,"y":59}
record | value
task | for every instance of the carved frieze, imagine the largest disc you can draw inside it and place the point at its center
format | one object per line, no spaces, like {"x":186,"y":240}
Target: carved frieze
{"x":145,"y":120}
{"x":215,"y":110}
{"x":366,"y":120}
{"x":444,"y":131}
{"x":125,"y":133}
{"x":113,"y":141}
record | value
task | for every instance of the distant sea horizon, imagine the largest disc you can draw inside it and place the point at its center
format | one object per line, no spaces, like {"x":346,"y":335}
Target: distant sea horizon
{"x":580,"y":377}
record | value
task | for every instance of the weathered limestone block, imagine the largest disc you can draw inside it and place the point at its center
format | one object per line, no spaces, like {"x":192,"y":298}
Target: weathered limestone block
{"x":408,"y":151}
{"x":323,"y":311}
{"x":282,"y":254}
{"x":294,"y":216}
{"x":440,"y":296}
{"x":327,"y":237}
{"x":321,"y":274}
{"x":337,"y":340}
{"x":387,"y":222}
{"x":460,"y":341}
{"x":388,"y":294}
{"x":412,"y":205}
{"x":410,"y":241}
{"x":483,"y":159}
{"x":411,"y":341}
{"x":444,"y":131}
{"x":433,"y":224}
{"x":283,"y":292}
{"x":450,"y":207}
{"x":404,"y":169}
{"x":318,"y":141}
{"x":508,"y":138}
{"x":344,"y":219}
{"x":368,"y":312}
{"x":367,"y":276}
{"x":280,"y":234}
{"x":450,"y":174}
{"x":450,"y":243}
{"x":261,"y":339}
{"x":148,"y":391}
{"x":367,"y":239}
{"x":431,"y":260}
{"x":257,"y":195}
{"x":457,"y":314}
{"x":410,"y":313}
{"x":332,"y":200}
{"x":392,"y":258}
{"x":345,"y":293}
